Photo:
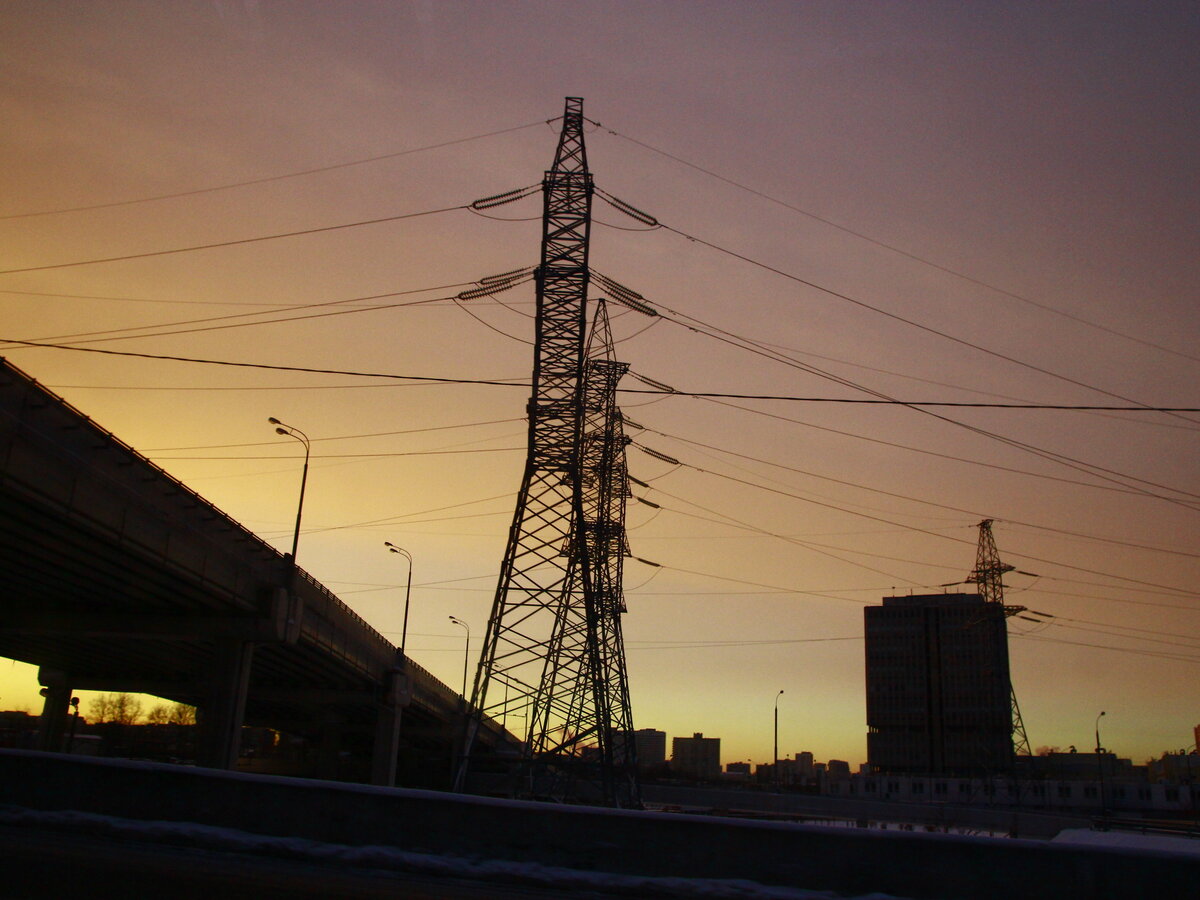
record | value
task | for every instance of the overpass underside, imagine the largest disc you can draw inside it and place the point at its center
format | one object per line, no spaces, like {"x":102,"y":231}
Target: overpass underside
{"x":116,"y":577}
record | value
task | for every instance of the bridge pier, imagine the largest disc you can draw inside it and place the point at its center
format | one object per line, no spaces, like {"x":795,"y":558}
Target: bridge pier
{"x":397,"y":694}
{"x":222,"y":715}
{"x":52,"y":725}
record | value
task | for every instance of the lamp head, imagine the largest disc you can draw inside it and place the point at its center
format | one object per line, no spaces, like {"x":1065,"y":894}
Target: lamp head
{"x":282,"y":431}
{"x":273,"y":420}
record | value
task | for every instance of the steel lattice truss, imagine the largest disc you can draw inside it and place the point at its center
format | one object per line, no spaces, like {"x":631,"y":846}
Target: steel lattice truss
{"x":584,"y":722}
{"x":989,"y":575}
{"x":548,"y":653}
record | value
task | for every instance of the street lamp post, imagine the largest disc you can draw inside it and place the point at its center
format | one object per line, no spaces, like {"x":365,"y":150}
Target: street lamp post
{"x":466,"y":653}
{"x":1100,"y":761}
{"x":775,"y":765}
{"x":289,"y":431}
{"x":407,"y":592}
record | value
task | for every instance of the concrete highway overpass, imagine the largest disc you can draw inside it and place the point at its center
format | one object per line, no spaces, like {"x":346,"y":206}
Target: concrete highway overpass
{"x":114,"y":576}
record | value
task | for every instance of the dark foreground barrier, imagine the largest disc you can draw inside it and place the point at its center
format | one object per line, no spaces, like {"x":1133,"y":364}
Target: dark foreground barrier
{"x":850,"y":861}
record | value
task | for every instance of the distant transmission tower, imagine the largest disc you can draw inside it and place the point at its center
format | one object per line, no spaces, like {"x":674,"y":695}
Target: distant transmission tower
{"x":989,"y":575}
{"x":553,"y":650}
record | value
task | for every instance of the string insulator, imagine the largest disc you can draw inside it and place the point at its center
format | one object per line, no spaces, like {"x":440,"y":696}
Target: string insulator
{"x":661,"y":456}
{"x":632,"y":211}
{"x":506,"y":197}
{"x":654,"y":384}
{"x":488,"y":289}
{"x":506,"y":276}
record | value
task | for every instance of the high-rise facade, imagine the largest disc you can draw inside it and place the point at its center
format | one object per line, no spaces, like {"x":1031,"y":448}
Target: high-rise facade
{"x":697,"y":756}
{"x":938,"y":690}
{"x":651,"y":747}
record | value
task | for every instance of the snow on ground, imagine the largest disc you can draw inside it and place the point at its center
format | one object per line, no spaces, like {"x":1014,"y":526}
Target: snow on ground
{"x":1129,"y":840}
{"x":375,"y":857}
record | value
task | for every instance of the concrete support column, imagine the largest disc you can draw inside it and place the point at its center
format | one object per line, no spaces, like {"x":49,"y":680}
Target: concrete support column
{"x":396,"y":695}
{"x":52,"y":725}
{"x":387,"y":745}
{"x":222,"y":715}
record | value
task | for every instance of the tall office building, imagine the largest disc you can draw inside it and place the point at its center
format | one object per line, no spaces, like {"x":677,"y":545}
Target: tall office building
{"x":651,"y":747}
{"x":938,"y":690}
{"x":697,"y":756}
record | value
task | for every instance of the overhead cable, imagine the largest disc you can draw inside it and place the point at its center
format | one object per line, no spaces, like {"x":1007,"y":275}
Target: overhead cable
{"x":269,"y":178}
{"x":899,"y":318}
{"x":234,"y":243}
{"x":905,"y":253}
{"x":662,"y":389}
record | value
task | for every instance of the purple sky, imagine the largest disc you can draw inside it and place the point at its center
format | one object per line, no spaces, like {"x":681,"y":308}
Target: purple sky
{"x":1020,"y":177}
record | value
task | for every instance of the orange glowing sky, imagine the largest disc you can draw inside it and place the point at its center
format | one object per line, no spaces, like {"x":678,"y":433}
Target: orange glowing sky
{"x":961,"y":202}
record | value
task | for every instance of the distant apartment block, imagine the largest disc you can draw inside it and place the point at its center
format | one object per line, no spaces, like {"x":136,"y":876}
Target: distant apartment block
{"x":804,"y":764}
{"x":938,"y":690}
{"x":696,"y":757}
{"x":651,"y":747}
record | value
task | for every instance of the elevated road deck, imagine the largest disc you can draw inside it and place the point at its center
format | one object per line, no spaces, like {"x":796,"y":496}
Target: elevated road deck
{"x":115,"y":576}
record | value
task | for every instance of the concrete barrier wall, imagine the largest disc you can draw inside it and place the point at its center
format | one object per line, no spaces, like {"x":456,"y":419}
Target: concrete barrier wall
{"x":1002,"y":820}
{"x":851,"y":861}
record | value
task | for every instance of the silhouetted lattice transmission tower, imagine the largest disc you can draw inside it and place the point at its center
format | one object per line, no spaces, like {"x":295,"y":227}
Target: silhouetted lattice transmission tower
{"x":553,"y":652}
{"x":989,"y":575}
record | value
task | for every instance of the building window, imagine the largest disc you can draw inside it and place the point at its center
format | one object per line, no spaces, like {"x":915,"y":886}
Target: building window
{"x":1089,"y":790}
{"x":1119,"y":793}
{"x":1171,"y":794}
{"x":870,"y":787}
{"x":940,"y":787}
{"x":1039,"y":790}
{"x":964,"y":788}
{"x":1064,"y":790}
{"x":1143,"y":793}
{"x":893,"y":787}
{"x":918,"y":787}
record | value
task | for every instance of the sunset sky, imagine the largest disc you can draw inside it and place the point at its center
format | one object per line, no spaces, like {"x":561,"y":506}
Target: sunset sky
{"x":972,"y":202}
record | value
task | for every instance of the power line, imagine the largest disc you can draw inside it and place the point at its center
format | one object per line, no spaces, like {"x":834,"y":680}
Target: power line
{"x":115,"y":336}
{"x":234,"y":243}
{"x":270,"y":178}
{"x":137,"y":299}
{"x":914,"y":528}
{"x":513,"y":383}
{"x":891,"y":315}
{"x":276,"y":321}
{"x":347,"y":455}
{"x":343,"y":437}
{"x":864,"y":487}
{"x":1157,"y":654}
{"x":808,"y":545}
{"x":268,"y":366}
{"x":905,"y":253}
{"x":933,"y":453}
{"x":1092,"y":469}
